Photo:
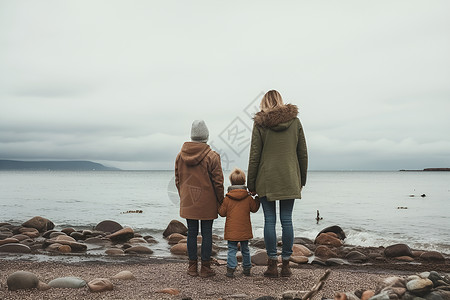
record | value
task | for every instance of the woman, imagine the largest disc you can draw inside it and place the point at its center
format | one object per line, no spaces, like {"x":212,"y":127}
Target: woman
{"x":277,"y":171}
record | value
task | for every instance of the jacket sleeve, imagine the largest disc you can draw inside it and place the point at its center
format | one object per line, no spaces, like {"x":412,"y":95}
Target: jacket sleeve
{"x":216,"y":176}
{"x":177,"y":175}
{"x":302,"y":154}
{"x":254,"y":159}
{"x":254,"y":204}
{"x":223,"y":208}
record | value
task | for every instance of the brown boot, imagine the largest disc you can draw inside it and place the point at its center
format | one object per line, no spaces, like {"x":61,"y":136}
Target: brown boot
{"x":285,"y":269}
{"x":192,"y":270}
{"x":272,"y":270}
{"x":205,"y":270}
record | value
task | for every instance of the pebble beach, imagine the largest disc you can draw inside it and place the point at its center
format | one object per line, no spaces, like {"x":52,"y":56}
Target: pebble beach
{"x":38,"y":261}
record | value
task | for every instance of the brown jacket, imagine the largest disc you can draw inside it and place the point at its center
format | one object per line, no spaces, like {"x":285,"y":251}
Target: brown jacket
{"x":199,"y":180}
{"x":237,"y":206}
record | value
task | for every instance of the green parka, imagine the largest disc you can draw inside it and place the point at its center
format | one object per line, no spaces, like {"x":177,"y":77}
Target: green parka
{"x":278,"y":160}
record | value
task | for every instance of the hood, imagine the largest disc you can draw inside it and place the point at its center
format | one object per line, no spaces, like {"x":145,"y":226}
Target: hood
{"x":193,"y":152}
{"x":277,"y":119}
{"x":239,"y":193}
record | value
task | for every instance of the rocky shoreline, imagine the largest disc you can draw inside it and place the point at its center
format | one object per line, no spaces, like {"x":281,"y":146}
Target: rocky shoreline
{"x":109,"y":245}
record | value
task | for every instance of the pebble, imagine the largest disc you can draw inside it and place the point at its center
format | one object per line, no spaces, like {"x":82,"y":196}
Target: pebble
{"x":67,"y":282}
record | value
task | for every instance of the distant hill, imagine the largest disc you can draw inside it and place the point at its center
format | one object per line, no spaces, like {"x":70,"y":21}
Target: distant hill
{"x":429,"y":169}
{"x":53,"y":165}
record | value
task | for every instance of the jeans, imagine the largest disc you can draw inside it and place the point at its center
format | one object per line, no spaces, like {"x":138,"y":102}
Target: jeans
{"x":206,"y":227}
{"x":232,"y":250}
{"x":270,"y":219}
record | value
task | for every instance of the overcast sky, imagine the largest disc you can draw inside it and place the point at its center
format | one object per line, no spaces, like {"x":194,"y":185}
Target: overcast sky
{"x":120,"y":82}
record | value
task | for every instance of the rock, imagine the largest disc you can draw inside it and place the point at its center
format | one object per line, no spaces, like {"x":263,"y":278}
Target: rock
{"x":138,"y":250}
{"x":433,"y":256}
{"x":170,"y":291}
{"x":258,"y":243}
{"x":438,"y":295}
{"x":299,"y":259}
{"x":53,"y":247}
{"x":420,"y":286}
{"x":76,"y":246}
{"x":381,"y":296}
{"x":22,"y":280}
{"x":328,"y":239}
{"x":318,"y":261}
{"x":174,"y":238}
{"x":300,"y":250}
{"x":67,"y":282}
{"x":356,"y":256}
{"x":175,"y":227}
{"x":179,"y":249}
{"x":64,"y":249}
{"x":394,"y":281}
{"x":435,"y":277}
{"x":121,"y":235}
{"x":324,"y":252}
{"x":137,"y":240}
{"x":47,"y":233}
{"x":78,"y":235}
{"x":351,"y":296}
{"x":404,"y":258}
{"x":20,"y":237}
{"x":303,"y":241}
{"x":30,"y":232}
{"x":124,"y":275}
{"x":108,"y":226}
{"x":9,"y":241}
{"x":334,"y":229}
{"x":115,"y":251}
{"x":100,"y":285}
{"x":97,"y":241}
{"x":398,"y":250}
{"x":68,"y":231}
{"x":340,"y":296}
{"x":65,"y":238}
{"x":260,"y":257}
{"x":40,"y":223}
{"x":15,"y":248}
{"x":336,"y":262}
{"x":55,"y":234}
{"x":289,"y":295}
{"x":42,"y":286}
{"x":150,"y":239}
{"x":366,"y":295}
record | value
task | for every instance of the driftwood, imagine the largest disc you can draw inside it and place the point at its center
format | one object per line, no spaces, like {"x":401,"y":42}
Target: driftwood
{"x":319,"y":285}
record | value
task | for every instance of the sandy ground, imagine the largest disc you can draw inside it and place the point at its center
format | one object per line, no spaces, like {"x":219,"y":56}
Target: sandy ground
{"x":153,"y":275}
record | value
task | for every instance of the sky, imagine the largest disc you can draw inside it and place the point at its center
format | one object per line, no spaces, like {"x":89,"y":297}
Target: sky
{"x":120,"y":82}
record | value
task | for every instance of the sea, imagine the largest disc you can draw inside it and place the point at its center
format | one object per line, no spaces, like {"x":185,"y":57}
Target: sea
{"x":373,"y":208}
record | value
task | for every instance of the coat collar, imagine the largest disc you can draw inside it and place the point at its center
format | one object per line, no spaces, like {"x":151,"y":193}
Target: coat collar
{"x":276,"y":116}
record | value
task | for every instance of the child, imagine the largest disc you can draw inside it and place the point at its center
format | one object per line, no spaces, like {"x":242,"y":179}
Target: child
{"x":199,"y":180}
{"x":237,"y":206}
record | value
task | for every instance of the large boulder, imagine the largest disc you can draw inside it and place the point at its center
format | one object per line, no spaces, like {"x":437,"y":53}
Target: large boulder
{"x":398,"y":250}
{"x":432,"y":256}
{"x":122,"y":235}
{"x":175,"y":227}
{"x":174,"y":238}
{"x":334,"y":229}
{"x":67,"y":282}
{"x":260,"y":257}
{"x":300,"y":250}
{"x":100,"y":285}
{"x":22,"y":280}
{"x":39,"y":223}
{"x":108,"y":226}
{"x":324,"y":252}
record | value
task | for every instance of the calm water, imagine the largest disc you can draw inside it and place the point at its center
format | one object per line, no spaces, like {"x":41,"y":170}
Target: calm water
{"x":364,"y":204}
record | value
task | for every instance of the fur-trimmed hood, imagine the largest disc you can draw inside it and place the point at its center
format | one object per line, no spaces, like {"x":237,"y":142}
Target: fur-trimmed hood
{"x":278,"y":118}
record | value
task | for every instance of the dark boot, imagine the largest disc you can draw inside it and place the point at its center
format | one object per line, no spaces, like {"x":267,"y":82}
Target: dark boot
{"x":205,"y":270}
{"x":285,"y":269}
{"x":246,"y":272}
{"x":192,"y":269}
{"x":230,"y":272}
{"x":272,"y":269}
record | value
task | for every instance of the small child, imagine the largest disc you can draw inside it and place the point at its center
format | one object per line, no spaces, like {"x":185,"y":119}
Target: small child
{"x":236,"y":206}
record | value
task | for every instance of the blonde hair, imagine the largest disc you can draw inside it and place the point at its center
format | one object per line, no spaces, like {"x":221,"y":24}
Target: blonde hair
{"x":237,"y":177}
{"x":271,"y":100}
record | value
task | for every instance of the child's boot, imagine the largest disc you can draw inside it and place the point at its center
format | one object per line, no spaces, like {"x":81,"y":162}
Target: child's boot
{"x":192,"y":269}
{"x":230,"y":272}
{"x":272,"y":268}
{"x":205,"y":270}
{"x":285,"y":269}
{"x":246,"y":271}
